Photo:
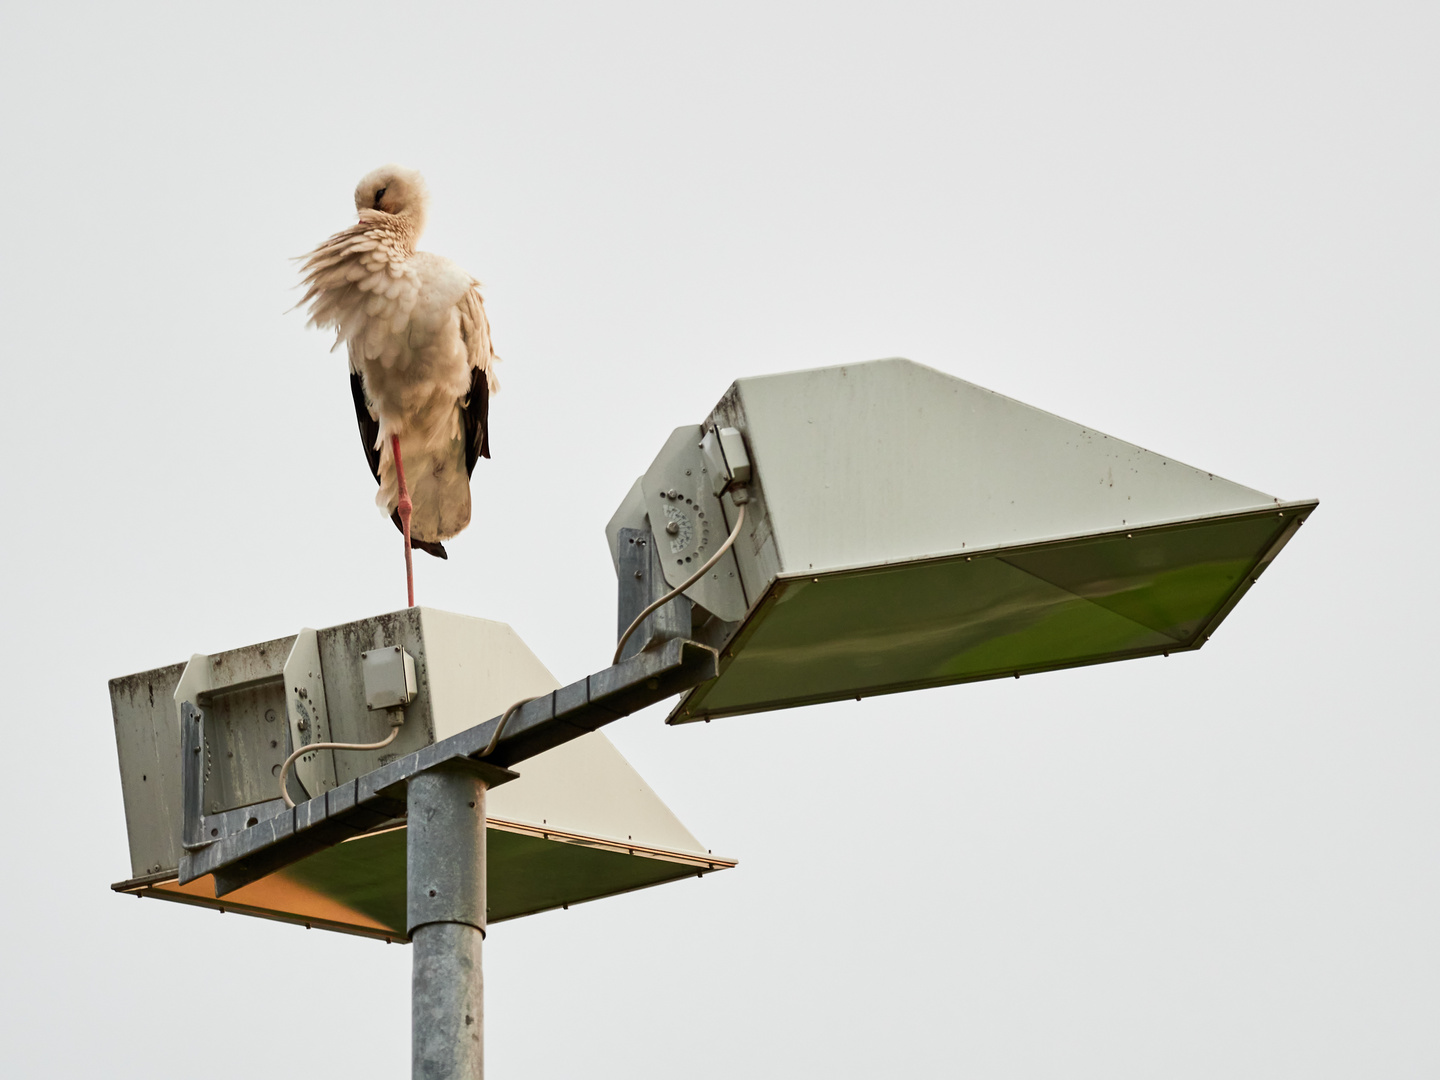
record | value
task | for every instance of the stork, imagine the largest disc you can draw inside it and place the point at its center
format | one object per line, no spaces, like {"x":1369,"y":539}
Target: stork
{"x":421,"y":366}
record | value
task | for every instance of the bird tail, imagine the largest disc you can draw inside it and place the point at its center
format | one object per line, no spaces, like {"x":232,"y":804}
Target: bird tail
{"x":439,"y":488}
{"x":430,"y":547}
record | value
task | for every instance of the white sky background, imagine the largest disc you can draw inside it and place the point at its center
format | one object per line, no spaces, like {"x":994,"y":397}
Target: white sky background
{"x":1210,"y":229}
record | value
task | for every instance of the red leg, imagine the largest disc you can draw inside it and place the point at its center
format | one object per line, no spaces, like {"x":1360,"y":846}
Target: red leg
{"x":405,"y":506}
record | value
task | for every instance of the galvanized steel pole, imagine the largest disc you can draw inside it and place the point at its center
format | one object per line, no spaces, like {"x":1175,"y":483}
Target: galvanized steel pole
{"x":445,"y":879}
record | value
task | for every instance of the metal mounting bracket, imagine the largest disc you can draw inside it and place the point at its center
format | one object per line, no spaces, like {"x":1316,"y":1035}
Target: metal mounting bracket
{"x":200,"y":829}
{"x":641,"y":581}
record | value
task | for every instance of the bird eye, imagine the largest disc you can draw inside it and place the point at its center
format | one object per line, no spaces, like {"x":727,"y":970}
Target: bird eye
{"x":380,"y":195}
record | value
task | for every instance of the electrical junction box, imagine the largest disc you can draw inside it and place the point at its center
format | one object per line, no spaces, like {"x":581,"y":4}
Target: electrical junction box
{"x":579,"y":823}
{"x":389,"y":677}
{"x":726,"y":460}
{"x":905,"y":528}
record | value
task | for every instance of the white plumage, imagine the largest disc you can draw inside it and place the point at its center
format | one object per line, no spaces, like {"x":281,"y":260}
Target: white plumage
{"x":422,"y":367}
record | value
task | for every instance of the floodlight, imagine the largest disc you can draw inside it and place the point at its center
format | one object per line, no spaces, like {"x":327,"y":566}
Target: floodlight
{"x":909,"y":529}
{"x":579,"y":824}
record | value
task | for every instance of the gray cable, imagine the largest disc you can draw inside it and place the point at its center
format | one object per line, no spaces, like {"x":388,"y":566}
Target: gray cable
{"x":394,"y":732}
{"x":691,"y":580}
{"x":500,"y":727}
{"x":397,"y":718}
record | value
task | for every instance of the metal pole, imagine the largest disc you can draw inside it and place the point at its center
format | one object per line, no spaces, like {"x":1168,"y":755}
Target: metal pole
{"x":445,"y":879}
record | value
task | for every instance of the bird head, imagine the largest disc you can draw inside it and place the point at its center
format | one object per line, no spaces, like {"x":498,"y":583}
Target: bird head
{"x":394,"y":190}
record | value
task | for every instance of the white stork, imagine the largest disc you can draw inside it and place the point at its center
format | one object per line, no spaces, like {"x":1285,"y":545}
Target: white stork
{"x":421,"y":366}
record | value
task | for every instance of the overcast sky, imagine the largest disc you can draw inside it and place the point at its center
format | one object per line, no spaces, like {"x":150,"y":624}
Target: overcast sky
{"x":1207,"y":228}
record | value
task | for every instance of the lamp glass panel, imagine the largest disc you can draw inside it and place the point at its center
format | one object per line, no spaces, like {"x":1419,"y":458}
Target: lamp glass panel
{"x":360,"y":884}
{"x":929,"y":623}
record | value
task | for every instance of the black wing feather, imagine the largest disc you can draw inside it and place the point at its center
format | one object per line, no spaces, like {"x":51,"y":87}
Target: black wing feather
{"x":476,"y":413}
{"x":369,"y":426}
